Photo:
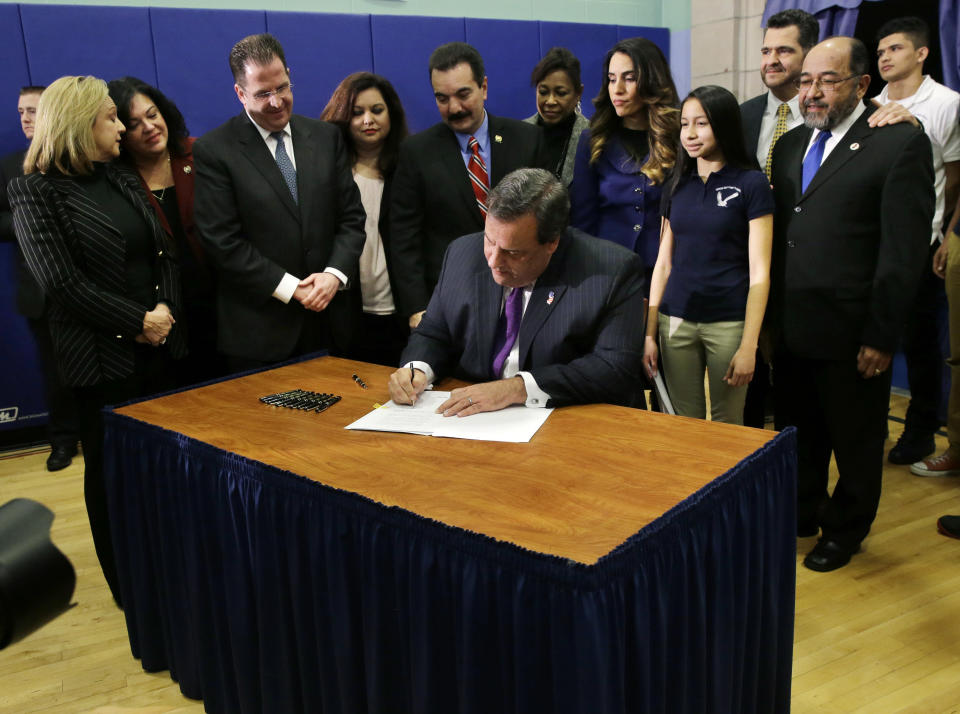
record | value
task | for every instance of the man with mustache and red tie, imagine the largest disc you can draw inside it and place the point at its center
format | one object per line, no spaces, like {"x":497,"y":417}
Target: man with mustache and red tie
{"x":445,"y":172}
{"x":537,"y":313}
{"x":854,"y":205}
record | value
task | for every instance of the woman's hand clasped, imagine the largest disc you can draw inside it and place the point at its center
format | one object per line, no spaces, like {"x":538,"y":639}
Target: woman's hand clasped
{"x":157,"y":324}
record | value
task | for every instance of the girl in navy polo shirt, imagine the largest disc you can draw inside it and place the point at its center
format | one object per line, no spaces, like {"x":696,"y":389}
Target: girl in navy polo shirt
{"x":709,"y":287}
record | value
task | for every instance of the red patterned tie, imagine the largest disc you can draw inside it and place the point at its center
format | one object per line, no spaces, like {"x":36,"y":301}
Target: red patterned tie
{"x":478,"y":175}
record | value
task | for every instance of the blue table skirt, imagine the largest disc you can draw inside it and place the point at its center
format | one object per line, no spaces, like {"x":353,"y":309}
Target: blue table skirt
{"x":262,"y":591}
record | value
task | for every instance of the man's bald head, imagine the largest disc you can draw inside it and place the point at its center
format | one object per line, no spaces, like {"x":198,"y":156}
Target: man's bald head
{"x":833,"y":80}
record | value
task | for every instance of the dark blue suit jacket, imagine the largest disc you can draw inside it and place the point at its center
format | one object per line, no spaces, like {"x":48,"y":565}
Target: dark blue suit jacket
{"x":584,"y":345}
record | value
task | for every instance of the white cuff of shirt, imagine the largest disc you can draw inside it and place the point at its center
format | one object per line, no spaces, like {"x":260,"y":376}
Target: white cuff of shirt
{"x":338,"y":275}
{"x":536,"y":397}
{"x":286,"y":288}
{"x":423,"y":367}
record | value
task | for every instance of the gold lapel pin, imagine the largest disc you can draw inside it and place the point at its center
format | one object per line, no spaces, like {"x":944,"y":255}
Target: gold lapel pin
{"x":854,"y":146}
{"x":497,"y":138}
{"x":187,"y":169}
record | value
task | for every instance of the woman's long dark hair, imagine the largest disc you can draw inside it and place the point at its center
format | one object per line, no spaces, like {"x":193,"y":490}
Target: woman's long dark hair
{"x":723,"y":113}
{"x":339,"y":111}
{"x":122,"y":92}
{"x":656,"y":90}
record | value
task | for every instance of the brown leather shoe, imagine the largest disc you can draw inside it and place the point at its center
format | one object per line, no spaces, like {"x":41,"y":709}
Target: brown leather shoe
{"x":946,"y":464}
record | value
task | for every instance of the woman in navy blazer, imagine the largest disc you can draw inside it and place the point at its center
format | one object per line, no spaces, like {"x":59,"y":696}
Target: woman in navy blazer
{"x":623,"y":159}
{"x":157,"y":146}
{"x":371,"y":119}
{"x":93,"y":243}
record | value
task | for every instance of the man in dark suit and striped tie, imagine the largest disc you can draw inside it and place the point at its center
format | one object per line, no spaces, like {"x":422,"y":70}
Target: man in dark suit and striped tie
{"x":444,"y":173}
{"x":533,"y":311}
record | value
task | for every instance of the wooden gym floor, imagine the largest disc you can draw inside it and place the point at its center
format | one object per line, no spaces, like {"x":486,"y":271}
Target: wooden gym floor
{"x":881,"y":635}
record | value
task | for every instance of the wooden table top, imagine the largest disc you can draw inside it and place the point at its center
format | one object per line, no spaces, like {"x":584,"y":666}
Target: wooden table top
{"x":590,"y":478}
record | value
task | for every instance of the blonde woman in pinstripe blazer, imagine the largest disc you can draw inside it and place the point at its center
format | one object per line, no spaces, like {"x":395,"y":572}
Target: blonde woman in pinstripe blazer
{"x":93,"y":243}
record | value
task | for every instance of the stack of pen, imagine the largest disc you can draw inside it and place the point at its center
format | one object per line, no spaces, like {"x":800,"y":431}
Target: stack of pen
{"x":301,"y":399}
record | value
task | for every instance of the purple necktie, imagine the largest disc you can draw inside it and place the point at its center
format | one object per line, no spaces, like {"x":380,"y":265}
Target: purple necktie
{"x":507,"y":330}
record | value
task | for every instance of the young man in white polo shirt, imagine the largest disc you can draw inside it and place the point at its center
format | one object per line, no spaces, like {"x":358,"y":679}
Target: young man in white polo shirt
{"x":902,"y":47}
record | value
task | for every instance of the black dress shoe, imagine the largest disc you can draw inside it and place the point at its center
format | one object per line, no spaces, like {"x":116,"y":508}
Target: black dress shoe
{"x":61,"y":456}
{"x":828,"y":555}
{"x":911,"y":447}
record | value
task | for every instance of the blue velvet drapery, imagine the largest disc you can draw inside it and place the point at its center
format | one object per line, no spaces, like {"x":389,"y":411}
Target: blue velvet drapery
{"x":839,"y":17}
{"x":262,"y":591}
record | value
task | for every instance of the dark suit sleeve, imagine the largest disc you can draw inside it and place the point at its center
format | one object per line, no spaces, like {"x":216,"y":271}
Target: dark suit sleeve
{"x":585,"y":190}
{"x":218,"y":219}
{"x":350,"y":232}
{"x":433,"y":341}
{"x":406,"y":247}
{"x":38,"y":221}
{"x":6,"y":215}
{"x":907,"y":206}
{"x":610,"y":371}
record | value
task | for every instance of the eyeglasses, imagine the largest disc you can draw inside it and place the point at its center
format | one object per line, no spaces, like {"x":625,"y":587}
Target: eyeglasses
{"x":280,"y":91}
{"x":827,"y":86}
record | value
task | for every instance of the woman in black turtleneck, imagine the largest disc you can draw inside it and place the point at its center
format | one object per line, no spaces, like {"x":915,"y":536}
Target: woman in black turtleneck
{"x":557,"y":81}
{"x":109,"y":270}
{"x":622,"y":161}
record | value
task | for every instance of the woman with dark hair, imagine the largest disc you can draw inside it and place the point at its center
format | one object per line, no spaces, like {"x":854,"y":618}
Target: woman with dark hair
{"x":622,"y":161}
{"x":157,"y":147}
{"x":92,"y":242}
{"x":712,"y":276}
{"x":371,"y":118}
{"x":557,"y":81}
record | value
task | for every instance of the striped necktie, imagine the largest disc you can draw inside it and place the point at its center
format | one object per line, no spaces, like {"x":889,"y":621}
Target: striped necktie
{"x":285,"y":165}
{"x":778,"y":130}
{"x":478,"y":175}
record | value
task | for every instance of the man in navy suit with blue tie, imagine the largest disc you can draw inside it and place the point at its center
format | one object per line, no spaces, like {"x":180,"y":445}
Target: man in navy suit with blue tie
{"x":533,"y":311}
{"x":854,"y":204}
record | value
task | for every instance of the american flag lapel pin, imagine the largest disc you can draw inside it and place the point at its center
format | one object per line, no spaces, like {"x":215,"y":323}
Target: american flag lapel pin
{"x":550,"y":298}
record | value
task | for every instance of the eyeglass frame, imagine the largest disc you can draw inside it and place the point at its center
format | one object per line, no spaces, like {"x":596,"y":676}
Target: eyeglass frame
{"x":827,"y":85}
{"x":266,"y":95}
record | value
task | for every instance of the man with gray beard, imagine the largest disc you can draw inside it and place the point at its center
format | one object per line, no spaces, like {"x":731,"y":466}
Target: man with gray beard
{"x":854,"y":204}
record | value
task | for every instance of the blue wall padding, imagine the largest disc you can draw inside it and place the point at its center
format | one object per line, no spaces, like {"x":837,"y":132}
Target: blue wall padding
{"x":192,"y":49}
{"x":590,"y":47}
{"x":321,"y":50}
{"x":510,"y":50}
{"x":13,"y":59}
{"x":102,"y":41}
{"x":401,"y":52}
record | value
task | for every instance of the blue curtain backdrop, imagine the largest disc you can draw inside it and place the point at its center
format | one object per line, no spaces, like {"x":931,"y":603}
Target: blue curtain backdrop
{"x":839,"y":17}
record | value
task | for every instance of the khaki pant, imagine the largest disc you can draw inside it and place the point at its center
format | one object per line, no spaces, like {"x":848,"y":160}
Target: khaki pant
{"x":687,"y":349}
{"x":953,"y":303}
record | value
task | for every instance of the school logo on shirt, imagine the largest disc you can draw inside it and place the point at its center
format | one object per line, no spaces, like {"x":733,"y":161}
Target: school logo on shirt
{"x":725,"y":194}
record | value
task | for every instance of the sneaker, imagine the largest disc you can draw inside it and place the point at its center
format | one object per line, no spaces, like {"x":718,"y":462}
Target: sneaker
{"x":949,"y":526}
{"x":946,"y":464}
{"x":911,"y":447}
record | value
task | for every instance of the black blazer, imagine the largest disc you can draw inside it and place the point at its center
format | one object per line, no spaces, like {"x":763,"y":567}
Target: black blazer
{"x":255,"y":233}
{"x":30,"y":299}
{"x":751,"y":116}
{"x":433,"y":201}
{"x":78,"y":257}
{"x":582,"y":333}
{"x":849,"y":252}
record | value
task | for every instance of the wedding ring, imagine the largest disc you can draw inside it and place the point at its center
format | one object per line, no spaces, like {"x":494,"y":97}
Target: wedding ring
{"x":470,"y":400}
{"x":163,"y":340}
{"x":877,"y":373}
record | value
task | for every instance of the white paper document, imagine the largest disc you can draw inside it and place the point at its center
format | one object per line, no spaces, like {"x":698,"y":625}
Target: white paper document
{"x":515,"y":424}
